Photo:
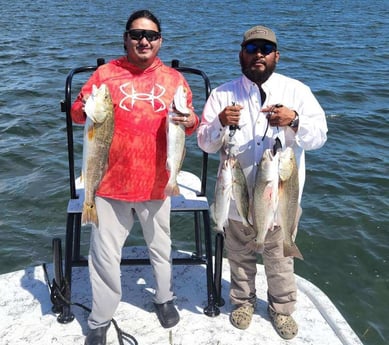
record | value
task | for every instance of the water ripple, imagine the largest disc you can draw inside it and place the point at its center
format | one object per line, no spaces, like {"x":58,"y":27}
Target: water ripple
{"x":340,"y":52}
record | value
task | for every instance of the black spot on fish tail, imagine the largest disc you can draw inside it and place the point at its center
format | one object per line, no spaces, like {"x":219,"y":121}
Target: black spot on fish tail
{"x":89,"y":214}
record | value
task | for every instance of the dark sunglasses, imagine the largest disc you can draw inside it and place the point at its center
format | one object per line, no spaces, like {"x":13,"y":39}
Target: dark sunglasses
{"x":264,"y":48}
{"x":138,"y":34}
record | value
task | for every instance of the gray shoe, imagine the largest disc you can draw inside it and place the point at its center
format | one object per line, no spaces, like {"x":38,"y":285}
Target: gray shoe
{"x":167,"y":314}
{"x":97,"y":336}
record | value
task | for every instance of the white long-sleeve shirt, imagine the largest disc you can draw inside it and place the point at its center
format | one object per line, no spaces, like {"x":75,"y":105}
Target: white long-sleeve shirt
{"x":254,"y":135}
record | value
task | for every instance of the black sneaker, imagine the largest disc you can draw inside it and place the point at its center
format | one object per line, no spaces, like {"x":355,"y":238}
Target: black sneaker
{"x":167,"y":314}
{"x":97,"y":336}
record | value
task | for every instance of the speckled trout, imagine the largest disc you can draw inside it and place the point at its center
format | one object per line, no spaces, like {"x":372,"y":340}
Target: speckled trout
{"x":98,"y":133}
{"x":265,"y":198}
{"x":289,"y":210}
{"x":240,"y":191}
{"x":175,"y":141}
{"x":223,"y":189}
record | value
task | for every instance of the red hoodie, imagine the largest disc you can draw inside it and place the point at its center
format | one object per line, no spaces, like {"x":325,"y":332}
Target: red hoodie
{"x":137,"y":159}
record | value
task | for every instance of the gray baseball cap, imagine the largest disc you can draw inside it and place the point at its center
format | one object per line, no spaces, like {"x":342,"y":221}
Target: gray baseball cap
{"x":259,"y":32}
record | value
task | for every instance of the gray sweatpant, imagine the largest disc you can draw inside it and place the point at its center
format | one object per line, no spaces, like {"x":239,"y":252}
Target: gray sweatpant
{"x":279,"y":270}
{"x":116,"y":219}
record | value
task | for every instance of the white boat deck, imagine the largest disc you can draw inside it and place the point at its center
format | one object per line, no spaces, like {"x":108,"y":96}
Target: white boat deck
{"x":26,"y":316}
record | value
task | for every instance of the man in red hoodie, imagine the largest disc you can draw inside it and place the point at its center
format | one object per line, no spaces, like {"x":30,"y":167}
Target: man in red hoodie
{"x":142,"y":89}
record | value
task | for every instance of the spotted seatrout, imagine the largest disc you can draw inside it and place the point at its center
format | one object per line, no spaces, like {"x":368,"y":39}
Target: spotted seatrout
{"x":240,"y":191}
{"x":223,"y":189}
{"x":265,"y":199}
{"x":175,"y":141}
{"x":289,"y":210}
{"x":98,"y":133}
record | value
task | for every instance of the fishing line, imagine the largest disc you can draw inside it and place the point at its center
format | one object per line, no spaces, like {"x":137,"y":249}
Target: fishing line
{"x":233,"y":128}
{"x":56,"y":291}
{"x":277,"y":145}
{"x":270,"y":113}
{"x":267,"y":127}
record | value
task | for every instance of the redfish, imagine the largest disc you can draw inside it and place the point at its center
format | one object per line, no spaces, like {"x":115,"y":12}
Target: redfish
{"x":98,"y":133}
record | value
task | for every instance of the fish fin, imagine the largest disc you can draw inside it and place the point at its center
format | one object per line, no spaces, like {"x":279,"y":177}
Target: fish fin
{"x":212,"y":209}
{"x":182,"y":159}
{"x":91,"y":133}
{"x":292,"y":250}
{"x":246,"y":222}
{"x":89,"y":214}
{"x":298,"y":215}
{"x":216,"y":227}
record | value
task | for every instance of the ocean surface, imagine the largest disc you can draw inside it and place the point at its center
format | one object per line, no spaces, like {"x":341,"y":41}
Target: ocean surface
{"x":339,"y":48}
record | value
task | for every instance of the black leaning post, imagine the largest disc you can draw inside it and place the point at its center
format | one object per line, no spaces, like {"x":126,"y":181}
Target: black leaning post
{"x":60,"y":291}
{"x":65,"y":281}
{"x":219,"y":246}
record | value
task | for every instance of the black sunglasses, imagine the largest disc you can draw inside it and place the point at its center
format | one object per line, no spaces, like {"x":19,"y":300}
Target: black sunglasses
{"x":264,"y":48}
{"x":138,"y":34}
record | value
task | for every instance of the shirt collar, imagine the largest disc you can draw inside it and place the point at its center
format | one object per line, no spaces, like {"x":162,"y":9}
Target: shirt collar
{"x":248,"y":84}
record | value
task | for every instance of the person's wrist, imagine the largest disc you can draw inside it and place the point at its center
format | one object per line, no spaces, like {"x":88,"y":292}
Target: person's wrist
{"x":295,"y":122}
{"x":191,"y":123}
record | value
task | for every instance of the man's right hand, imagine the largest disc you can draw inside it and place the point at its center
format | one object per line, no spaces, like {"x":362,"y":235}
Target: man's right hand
{"x":230,"y":115}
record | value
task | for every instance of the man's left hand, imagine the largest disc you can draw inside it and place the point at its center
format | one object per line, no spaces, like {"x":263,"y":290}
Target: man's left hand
{"x":279,"y":115}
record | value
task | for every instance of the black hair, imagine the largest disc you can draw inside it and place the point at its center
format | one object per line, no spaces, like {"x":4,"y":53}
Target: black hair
{"x":143,"y":14}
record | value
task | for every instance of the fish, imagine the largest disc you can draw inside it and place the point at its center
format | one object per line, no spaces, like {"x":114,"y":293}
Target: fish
{"x":240,"y":191}
{"x":289,"y":210}
{"x":222,"y":198}
{"x":175,"y":156}
{"x":265,"y":199}
{"x":175,"y":141}
{"x":98,"y":133}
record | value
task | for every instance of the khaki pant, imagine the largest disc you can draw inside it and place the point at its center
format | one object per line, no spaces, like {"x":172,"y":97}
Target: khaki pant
{"x":116,"y":219}
{"x":279,"y":269}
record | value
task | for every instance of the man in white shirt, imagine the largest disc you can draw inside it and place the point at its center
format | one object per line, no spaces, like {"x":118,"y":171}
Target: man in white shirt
{"x":261,"y":110}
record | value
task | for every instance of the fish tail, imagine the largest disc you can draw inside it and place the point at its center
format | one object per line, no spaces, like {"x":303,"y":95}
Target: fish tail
{"x":246,"y":222}
{"x":172,"y":190}
{"x":292,"y":250}
{"x":218,"y":229}
{"x":89,"y":214}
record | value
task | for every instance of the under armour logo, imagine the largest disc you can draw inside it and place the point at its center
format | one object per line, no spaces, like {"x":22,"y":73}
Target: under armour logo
{"x":131,"y":96}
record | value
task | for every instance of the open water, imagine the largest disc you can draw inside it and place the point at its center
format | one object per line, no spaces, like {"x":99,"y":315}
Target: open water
{"x":338,"y":47}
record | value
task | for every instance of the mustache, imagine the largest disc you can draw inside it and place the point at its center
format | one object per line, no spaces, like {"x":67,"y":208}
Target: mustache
{"x":260,"y":60}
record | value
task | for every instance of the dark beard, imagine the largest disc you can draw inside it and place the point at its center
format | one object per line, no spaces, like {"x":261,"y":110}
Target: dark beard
{"x":256,"y":76}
